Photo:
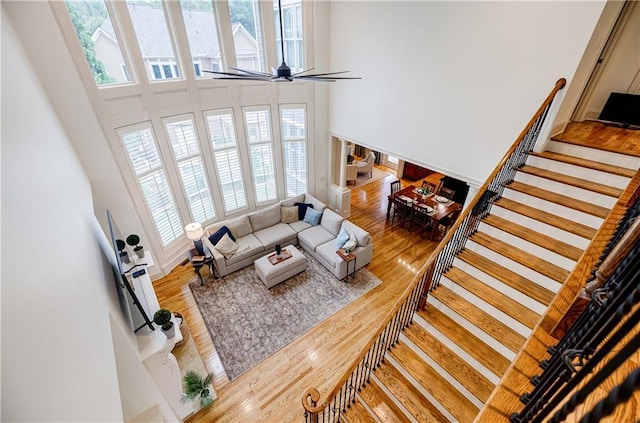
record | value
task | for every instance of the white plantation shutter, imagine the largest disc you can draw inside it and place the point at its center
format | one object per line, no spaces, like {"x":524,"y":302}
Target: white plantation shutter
{"x":145,"y":159}
{"x":186,"y":151}
{"x":294,"y":148}
{"x":227,"y":159}
{"x":258,"y":127}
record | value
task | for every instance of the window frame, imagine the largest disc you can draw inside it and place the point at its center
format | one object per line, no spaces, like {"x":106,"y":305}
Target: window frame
{"x":271,"y":143}
{"x":284,"y":141}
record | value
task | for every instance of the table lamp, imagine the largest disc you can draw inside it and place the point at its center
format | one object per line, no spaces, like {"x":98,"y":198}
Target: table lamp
{"x":194,"y":232}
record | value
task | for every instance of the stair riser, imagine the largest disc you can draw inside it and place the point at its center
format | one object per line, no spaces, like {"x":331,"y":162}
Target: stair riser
{"x":486,"y":307}
{"x":616,"y":159}
{"x":579,"y":172}
{"x":492,"y":377}
{"x":567,"y":190}
{"x":478,"y":332}
{"x":543,"y":228}
{"x":560,"y":211}
{"x":500,"y":286}
{"x":515,"y":267}
{"x":464,"y":391}
{"x":392,"y":398}
{"x":543,"y":253}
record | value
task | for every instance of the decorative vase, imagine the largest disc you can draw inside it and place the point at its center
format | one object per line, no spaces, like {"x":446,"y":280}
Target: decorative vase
{"x":171,"y":331}
{"x":278,"y":251}
{"x":124,"y":257}
{"x":139,"y":250}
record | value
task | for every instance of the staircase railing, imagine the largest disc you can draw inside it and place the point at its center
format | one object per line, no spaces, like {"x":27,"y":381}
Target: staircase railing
{"x":414,"y":297}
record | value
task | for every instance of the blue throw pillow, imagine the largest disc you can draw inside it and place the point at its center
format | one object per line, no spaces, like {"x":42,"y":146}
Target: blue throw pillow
{"x":302,"y":209}
{"x":217,"y":235}
{"x":343,"y":236}
{"x":312,"y":216}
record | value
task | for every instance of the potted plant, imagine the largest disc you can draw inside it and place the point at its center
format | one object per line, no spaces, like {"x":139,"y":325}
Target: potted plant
{"x":134,"y":240}
{"x":196,"y":388}
{"x":124,"y":255}
{"x":162,"y":318}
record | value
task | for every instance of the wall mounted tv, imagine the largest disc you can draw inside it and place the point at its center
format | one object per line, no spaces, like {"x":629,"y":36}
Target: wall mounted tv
{"x":622,"y":108}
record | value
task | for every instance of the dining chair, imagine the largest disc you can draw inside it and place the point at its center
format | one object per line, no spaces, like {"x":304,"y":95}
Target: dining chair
{"x":422,"y":218}
{"x":395,"y":186}
{"x":446,"y":223}
{"x":431,"y":186}
{"x":402,"y":209}
{"x":447,"y":193}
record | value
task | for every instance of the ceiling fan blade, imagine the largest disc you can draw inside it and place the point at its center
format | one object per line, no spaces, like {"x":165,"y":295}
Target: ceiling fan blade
{"x":254,"y":73}
{"x":245,"y":78}
{"x":304,"y":71}
{"x":325,"y":78}
{"x":315,"y":78}
{"x":228,"y":73}
{"x":328,"y":73}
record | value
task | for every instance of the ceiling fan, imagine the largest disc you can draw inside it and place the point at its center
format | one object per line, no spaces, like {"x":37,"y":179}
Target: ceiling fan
{"x":283,"y":73}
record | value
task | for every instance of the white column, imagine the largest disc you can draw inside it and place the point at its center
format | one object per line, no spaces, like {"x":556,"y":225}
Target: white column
{"x":343,"y":163}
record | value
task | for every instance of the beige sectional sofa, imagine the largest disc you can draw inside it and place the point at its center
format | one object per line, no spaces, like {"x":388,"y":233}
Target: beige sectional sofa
{"x":257,"y":233}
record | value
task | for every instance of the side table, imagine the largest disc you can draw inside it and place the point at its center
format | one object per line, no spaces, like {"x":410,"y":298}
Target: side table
{"x":197,"y":265}
{"x":350,"y":257}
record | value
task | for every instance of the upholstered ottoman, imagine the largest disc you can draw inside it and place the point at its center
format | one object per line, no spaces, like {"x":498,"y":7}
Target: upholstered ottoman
{"x":273,"y":274}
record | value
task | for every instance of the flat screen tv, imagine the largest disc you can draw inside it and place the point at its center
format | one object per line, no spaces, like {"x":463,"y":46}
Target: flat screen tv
{"x":622,"y":108}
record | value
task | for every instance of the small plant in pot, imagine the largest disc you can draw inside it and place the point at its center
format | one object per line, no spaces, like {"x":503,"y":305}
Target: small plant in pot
{"x":124,"y":255}
{"x":134,"y":240}
{"x":196,"y":388}
{"x":162,"y":318}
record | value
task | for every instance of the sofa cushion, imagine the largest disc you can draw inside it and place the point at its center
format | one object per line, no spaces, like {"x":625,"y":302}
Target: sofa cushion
{"x":226,"y":246}
{"x":302,"y":209}
{"x":314,"y":236}
{"x":289,"y":214}
{"x":248,"y":246}
{"x":300,"y":225}
{"x":312,"y":216}
{"x":343,"y":236}
{"x":240,"y":226}
{"x":317,"y":204}
{"x":275,"y":234}
{"x":328,"y":252}
{"x":264,"y":218}
{"x":289,"y":202}
{"x":361,"y":235}
{"x":331,"y":221}
{"x":217,"y":235}
{"x":351,"y":243}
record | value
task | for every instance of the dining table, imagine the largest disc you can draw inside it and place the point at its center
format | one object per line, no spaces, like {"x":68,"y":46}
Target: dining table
{"x":442,"y":207}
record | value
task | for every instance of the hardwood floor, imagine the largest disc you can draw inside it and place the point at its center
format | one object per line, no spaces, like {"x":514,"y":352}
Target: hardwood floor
{"x":272,"y":390}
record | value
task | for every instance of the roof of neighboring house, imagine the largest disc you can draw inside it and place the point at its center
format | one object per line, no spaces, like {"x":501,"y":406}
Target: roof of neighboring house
{"x":154,"y":41}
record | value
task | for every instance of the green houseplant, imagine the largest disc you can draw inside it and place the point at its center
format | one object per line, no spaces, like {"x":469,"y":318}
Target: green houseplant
{"x":162,"y":318}
{"x":134,"y":240}
{"x":124,"y":255}
{"x":196,"y":388}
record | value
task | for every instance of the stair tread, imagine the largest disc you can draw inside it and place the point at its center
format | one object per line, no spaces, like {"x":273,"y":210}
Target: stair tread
{"x":518,"y":255}
{"x":497,"y":299}
{"x":453,"y":364}
{"x":589,"y":134}
{"x":447,"y":395}
{"x":548,"y":218}
{"x":484,"y":321}
{"x":560,"y":199}
{"x":356,"y":413}
{"x":466,"y":340}
{"x":542,"y":240}
{"x":380,"y":403}
{"x":571,"y":180}
{"x":420,"y":408}
{"x":591,"y":164}
{"x":514,"y":280}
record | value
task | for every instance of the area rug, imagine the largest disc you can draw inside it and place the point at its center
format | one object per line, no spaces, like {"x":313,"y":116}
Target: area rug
{"x":363,"y":179}
{"x":249,"y":322}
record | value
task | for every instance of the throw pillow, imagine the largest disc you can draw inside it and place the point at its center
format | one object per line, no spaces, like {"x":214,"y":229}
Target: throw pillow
{"x":289,"y":214}
{"x":351,"y":244}
{"x":343,"y":236}
{"x":217,"y":235}
{"x":312,"y":216}
{"x":226,"y":246}
{"x":302,"y":209}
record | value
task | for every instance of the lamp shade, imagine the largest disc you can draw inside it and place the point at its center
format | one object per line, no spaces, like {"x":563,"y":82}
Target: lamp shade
{"x":194,"y":231}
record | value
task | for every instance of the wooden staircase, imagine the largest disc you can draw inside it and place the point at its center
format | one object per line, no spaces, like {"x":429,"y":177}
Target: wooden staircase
{"x":448,"y":361}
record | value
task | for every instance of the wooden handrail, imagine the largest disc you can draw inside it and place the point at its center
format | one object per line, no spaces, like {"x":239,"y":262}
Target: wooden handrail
{"x":311,"y":396}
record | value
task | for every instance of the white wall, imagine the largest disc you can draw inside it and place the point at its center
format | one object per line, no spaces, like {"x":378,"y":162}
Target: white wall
{"x":58,"y":361}
{"x":450,"y":85}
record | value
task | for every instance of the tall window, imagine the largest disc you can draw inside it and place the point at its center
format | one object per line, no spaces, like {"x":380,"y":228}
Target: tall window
{"x":227,"y":158}
{"x":186,"y":151}
{"x":154,"y":40}
{"x":145,"y":160}
{"x":258,"y":127}
{"x":99,"y":41}
{"x":202,"y":33}
{"x":292,"y":31}
{"x":247,"y":34}
{"x":294,"y":147}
